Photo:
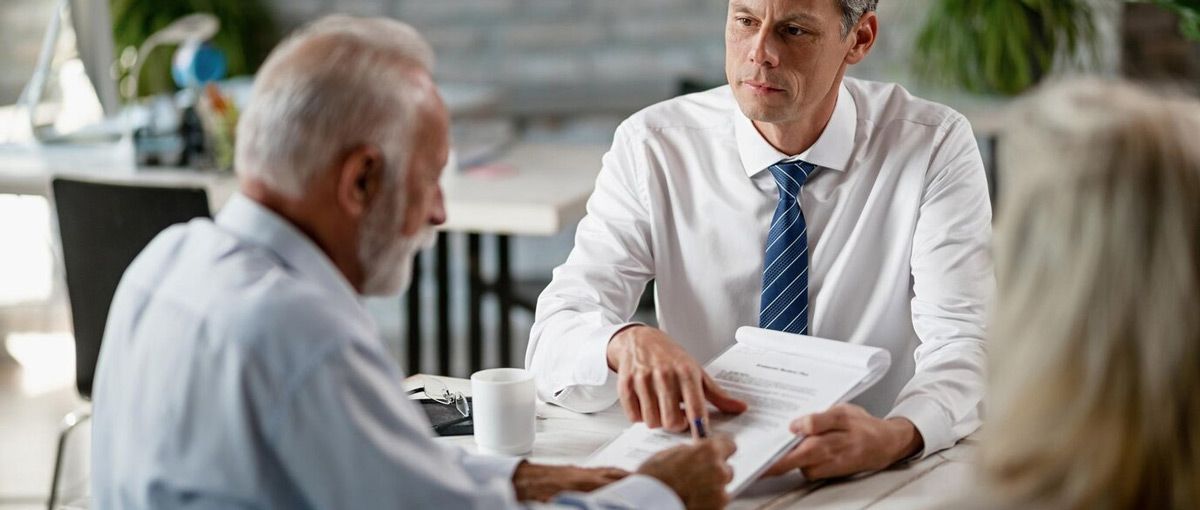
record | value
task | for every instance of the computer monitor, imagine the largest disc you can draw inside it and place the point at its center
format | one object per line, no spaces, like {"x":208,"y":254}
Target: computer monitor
{"x":94,"y":40}
{"x":93,"y":88}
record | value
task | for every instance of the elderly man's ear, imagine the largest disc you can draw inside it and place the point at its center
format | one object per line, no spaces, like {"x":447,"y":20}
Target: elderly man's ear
{"x":360,"y":177}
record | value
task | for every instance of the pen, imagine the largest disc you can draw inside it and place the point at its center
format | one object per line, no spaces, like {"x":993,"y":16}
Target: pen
{"x":698,"y":426}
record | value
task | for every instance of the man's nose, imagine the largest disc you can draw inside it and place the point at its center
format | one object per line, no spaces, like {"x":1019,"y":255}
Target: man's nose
{"x":762,"y":50}
{"x":437,"y":215}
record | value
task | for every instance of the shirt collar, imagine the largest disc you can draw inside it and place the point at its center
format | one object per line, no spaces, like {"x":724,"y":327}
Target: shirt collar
{"x":254,"y":223}
{"x":832,"y":149}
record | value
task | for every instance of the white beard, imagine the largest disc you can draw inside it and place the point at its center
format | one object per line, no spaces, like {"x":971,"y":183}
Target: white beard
{"x":387,"y":260}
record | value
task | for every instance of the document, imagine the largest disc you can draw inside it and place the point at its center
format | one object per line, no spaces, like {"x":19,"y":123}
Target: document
{"x":781,"y":376}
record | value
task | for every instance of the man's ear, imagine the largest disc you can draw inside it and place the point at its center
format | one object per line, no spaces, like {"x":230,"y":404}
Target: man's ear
{"x":862,"y":37}
{"x":359,"y":179}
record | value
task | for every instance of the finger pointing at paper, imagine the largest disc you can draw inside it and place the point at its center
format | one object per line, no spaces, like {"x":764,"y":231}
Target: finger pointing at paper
{"x":657,"y":377}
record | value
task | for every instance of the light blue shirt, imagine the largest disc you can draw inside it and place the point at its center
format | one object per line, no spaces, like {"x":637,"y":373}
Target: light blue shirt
{"x":240,"y":370}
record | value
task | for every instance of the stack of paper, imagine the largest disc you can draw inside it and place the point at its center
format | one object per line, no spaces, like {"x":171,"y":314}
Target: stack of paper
{"x":781,"y":376}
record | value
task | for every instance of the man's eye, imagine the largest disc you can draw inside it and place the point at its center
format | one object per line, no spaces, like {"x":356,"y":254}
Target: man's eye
{"x":745,"y":22}
{"x":793,"y":30}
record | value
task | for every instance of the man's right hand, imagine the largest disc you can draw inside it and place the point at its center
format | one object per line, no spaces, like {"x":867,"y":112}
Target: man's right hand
{"x":656,"y":375}
{"x":697,"y":472}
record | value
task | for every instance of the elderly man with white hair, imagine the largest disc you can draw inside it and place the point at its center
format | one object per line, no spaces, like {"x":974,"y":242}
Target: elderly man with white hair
{"x":239,"y":368}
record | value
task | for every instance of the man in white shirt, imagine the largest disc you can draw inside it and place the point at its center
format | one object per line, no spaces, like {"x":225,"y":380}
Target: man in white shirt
{"x":239,"y":368}
{"x":794,"y":199}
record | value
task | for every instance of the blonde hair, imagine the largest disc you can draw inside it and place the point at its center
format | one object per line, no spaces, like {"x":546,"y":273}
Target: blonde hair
{"x":1095,"y":352}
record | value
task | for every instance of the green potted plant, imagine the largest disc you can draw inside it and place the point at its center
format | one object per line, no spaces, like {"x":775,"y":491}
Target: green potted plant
{"x":247,"y":34}
{"x":1000,"y":47}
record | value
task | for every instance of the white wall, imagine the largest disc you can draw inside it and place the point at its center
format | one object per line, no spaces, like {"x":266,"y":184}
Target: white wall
{"x":22,"y":24}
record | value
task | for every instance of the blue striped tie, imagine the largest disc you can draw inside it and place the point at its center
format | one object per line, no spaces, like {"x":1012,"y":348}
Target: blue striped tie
{"x":784,"y":303}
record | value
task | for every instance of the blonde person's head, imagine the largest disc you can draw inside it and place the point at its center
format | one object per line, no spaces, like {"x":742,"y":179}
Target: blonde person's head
{"x":1095,"y":396}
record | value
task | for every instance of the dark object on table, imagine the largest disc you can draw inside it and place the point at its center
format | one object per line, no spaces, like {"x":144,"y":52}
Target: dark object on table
{"x":157,"y":149}
{"x":446,"y":419}
{"x":194,"y":145}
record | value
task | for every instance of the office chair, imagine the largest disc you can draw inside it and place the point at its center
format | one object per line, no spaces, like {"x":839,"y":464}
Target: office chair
{"x":103,"y":227}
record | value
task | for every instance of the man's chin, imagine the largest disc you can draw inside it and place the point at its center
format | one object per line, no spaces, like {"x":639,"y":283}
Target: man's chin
{"x":761,"y":109}
{"x":764,"y":115}
{"x":390,"y":289}
{"x":391,"y":284}
{"x":392,"y":279}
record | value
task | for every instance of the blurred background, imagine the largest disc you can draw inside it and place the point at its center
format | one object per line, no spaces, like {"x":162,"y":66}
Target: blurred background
{"x":533,"y":84}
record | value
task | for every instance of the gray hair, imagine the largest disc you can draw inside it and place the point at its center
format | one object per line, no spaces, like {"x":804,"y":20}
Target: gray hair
{"x":1095,"y":351}
{"x":338,"y":83}
{"x":853,"y":10}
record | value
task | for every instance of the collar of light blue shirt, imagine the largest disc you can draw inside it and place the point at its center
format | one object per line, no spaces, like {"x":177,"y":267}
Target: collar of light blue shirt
{"x":832,"y":149}
{"x":256,"y":224}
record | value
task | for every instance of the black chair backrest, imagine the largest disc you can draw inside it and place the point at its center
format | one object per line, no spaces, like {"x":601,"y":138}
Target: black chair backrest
{"x":103,"y":227}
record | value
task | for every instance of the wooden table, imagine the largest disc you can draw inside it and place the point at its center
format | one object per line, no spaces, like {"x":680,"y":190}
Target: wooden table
{"x":566,"y":437}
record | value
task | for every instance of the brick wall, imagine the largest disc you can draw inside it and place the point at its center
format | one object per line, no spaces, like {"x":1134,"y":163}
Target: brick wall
{"x":600,"y":55}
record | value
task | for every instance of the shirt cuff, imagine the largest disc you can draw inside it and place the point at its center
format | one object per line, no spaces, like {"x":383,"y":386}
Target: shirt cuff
{"x":931,"y":422}
{"x":597,"y":374}
{"x":485,"y":468}
{"x":594,"y":389}
{"x":639,"y":491}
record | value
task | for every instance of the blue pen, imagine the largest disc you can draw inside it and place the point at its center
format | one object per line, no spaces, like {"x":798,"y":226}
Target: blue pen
{"x":698,"y":425}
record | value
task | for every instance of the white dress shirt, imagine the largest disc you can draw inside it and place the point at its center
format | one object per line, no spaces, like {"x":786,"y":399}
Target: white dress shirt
{"x":240,"y":370}
{"x":899,"y":225}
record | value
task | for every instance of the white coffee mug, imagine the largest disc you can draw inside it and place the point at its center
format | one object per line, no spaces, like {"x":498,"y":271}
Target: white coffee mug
{"x":503,"y":411}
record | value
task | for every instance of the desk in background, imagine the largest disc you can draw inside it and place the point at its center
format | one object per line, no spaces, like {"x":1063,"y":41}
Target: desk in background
{"x":546,"y":191}
{"x":566,"y":437}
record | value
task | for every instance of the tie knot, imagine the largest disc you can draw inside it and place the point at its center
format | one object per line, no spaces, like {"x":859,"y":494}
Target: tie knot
{"x":791,"y":175}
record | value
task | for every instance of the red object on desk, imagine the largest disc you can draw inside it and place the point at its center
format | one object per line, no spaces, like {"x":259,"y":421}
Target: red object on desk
{"x":491,"y":171}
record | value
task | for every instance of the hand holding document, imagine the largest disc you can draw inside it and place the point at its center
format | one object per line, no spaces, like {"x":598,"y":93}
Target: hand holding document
{"x":781,"y":376}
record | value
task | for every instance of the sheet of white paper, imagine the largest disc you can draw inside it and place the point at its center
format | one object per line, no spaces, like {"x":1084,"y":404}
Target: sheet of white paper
{"x":778,"y":386}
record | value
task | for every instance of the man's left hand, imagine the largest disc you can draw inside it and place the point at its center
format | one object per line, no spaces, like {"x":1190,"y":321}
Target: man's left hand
{"x":540,"y":482}
{"x":846,"y":440}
